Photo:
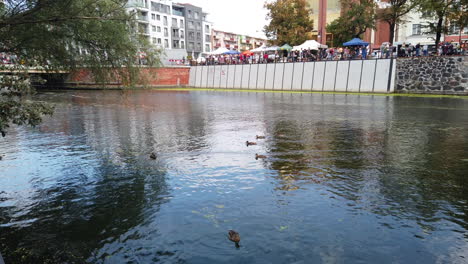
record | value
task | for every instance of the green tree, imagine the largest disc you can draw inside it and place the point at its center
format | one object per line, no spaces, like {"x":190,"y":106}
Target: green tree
{"x":63,"y":35}
{"x":290,"y":22}
{"x":441,"y":14}
{"x":356,"y":18}
{"x":394,"y":13}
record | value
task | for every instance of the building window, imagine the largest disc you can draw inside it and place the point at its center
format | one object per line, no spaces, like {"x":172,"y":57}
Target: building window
{"x":182,"y":45}
{"x":153,"y":28}
{"x":165,"y":21}
{"x":198,"y":36}
{"x":416,"y":29}
{"x":190,"y":24}
{"x":175,"y":44}
{"x":191,"y":46}
{"x":174,"y":22}
{"x":182,"y":35}
{"x":199,"y":46}
{"x":166,"y":32}
{"x":158,"y":17}
{"x":154,"y":40}
{"x":207,"y":28}
{"x":159,"y":29}
{"x":198,"y":26}
{"x":207,"y":48}
{"x":153,"y":16}
{"x":159,"y":41}
{"x":182,"y":24}
{"x":190,"y":13}
{"x":197,"y":15}
{"x":166,"y":43}
{"x":191,"y":36}
{"x":207,"y":38}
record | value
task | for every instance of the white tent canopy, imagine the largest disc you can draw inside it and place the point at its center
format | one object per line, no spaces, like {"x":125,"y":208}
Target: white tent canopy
{"x":310,"y":44}
{"x":259,"y":49}
{"x":219,"y":51}
{"x":272,"y":48}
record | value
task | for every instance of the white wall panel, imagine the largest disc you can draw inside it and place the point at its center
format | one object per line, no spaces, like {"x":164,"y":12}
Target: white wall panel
{"x":192,"y":77}
{"x":230,"y":76}
{"x":278,"y":80}
{"x":381,"y":77}
{"x":318,"y":76}
{"x":368,"y":71}
{"x":223,"y":77}
{"x":270,"y":76}
{"x":342,"y":76}
{"x":288,"y":75}
{"x":253,"y":76}
{"x":308,"y":76}
{"x":199,"y":76}
{"x":354,"y":76}
{"x":297,"y":76}
{"x":262,"y":76}
{"x":237,"y":76}
{"x":330,"y":74}
{"x":217,"y":76}
{"x":245,"y":76}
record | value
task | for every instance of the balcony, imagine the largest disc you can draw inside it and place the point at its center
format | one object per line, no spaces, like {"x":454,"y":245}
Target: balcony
{"x":143,"y":19}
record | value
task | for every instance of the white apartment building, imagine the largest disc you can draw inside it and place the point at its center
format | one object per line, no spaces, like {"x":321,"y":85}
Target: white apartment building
{"x":170,"y":26}
{"x":412,"y":30}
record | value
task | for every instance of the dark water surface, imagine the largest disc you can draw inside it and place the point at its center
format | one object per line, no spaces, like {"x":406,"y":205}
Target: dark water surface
{"x":347,"y":179}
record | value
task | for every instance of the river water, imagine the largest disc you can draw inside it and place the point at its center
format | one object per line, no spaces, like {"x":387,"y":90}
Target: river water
{"x":346,"y":179}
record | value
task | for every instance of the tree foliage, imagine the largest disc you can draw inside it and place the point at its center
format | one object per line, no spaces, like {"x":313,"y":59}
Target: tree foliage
{"x":441,"y":14}
{"x":356,"y":18}
{"x":64,"y":35}
{"x":394,"y":13}
{"x":290,"y":22}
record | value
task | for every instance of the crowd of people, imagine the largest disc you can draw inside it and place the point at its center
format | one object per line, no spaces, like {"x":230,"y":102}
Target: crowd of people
{"x":6,"y":58}
{"x":444,"y":49}
{"x":342,"y":53}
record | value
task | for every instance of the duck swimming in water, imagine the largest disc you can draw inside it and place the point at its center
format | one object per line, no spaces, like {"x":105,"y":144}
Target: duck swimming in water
{"x":260,"y":137}
{"x":234,"y":237}
{"x":260,"y":156}
{"x":250,"y":143}
{"x":153,"y":156}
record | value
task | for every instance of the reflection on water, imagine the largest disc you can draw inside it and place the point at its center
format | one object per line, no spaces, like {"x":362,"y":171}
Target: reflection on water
{"x":347,"y":179}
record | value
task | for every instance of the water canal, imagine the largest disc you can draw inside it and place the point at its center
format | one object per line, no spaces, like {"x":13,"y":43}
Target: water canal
{"x":346,"y":179}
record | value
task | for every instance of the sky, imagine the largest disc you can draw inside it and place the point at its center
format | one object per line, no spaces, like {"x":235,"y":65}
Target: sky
{"x":244,"y":17}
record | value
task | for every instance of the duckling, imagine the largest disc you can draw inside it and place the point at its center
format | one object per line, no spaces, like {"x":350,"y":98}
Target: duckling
{"x":260,"y":156}
{"x":234,"y":237}
{"x":250,"y":143}
{"x":260,"y":137}
{"x":153,"y":156}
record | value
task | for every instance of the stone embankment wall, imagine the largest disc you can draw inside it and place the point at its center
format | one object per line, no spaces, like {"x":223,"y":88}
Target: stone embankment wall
{"x":433,"y":75}
{"x":149,"y":77}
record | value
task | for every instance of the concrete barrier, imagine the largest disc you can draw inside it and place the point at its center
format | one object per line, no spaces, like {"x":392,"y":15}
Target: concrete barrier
{"x":329,"y":76}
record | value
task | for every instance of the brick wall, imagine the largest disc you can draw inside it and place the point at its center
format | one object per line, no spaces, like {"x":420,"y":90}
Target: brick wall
{"x":151,"y":77}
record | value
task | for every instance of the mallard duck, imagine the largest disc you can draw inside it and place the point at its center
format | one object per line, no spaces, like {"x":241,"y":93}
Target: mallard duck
{"x":260,"y":156}
{"x":250,"y":143}
{"x":260,"y":137}
{"x":234,"y":237}
{"x":153,"y":156}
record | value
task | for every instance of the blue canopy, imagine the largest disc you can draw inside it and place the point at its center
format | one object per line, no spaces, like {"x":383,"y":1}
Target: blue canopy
{"x":356,"y":42}
{"x":231,"y":52}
